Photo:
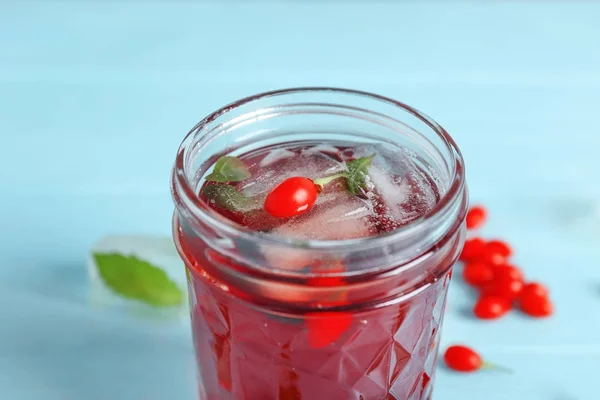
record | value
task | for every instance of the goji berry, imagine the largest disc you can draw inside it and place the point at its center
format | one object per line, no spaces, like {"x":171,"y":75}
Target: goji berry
{"x":507,"y":271}
{"x":334,"y":266}
{"x":499,"y":246}
{"x":472,"y":249}
{"x":534,"y":289}
{"x":222,"y":349}
{"x":534,"y":301}
{"x":333,"y":297}
{"x":477,"y":273}
{"x":476,"y":217}
{"x":291,"y":197}
{"x":463,"y":359}
{"x":504,"y":287}
{"x":491,"y":307}
{"x":324,"y":328}
{"x":492,"y":258}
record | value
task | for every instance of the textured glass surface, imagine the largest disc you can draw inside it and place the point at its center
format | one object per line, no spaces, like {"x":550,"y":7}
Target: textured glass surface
{"x":245,"y":354}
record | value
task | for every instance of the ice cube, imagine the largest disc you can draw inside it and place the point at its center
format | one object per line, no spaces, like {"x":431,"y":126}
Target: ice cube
{"x":394,"y":160}
{"x":392,"y":191}
{"x":324,"y":148}
{"x":340,"y":216}
{"x":157,"y":250}
{"x":276,"y":155}
{"x":309,"y":163}
{"x":281,"y":257}
{"x":421,"y":177}
{"x":400,"y":191}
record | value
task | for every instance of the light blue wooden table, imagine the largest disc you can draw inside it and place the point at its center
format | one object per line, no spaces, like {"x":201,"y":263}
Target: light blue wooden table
{"x":95,"y":98}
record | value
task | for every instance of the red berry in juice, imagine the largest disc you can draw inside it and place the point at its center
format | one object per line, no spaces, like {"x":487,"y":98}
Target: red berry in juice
{"x":324,"y":336}
{"x":294,"y":196}
{"x":326,"y":327}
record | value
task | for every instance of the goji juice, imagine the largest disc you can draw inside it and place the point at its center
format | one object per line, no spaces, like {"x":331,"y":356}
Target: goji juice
{"x":276,"y":328}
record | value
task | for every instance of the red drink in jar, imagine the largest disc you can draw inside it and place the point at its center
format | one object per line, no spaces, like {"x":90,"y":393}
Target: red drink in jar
{"x":345,"y":299}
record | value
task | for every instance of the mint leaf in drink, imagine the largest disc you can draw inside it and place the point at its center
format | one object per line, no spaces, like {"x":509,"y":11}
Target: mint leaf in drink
{"x":229,"y":169}
{"x":227,"y":197}
{"x":130,"y":277}
{"x":356,"y":172}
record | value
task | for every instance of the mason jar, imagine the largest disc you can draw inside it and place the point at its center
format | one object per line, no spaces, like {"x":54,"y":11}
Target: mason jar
{"x":254,"y":318}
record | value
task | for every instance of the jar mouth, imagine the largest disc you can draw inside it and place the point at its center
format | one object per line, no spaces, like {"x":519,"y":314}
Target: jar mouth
{"x":187,"y":199}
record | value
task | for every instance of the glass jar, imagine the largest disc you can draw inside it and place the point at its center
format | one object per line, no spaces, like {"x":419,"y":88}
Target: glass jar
{"x":252,"y":317}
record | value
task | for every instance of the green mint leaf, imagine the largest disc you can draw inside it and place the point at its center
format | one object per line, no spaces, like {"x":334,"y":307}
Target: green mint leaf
{"x":227,"y":197}
{"x":356,"y":173}
{"x":229,"y":169}
{"x":136,"y":279}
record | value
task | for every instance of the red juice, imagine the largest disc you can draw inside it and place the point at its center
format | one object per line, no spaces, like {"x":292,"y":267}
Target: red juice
{"x":277,"y":317}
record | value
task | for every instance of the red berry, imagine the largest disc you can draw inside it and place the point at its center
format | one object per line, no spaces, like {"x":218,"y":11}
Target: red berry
{"x":335,"y":298}
{"x":505,"y":287}
{"x":333,"y":266}
{"x":491,"y":307}
{"x":507,"y":271}
{"x":291,"y":197}
{"x":478,"y":273}
{"x":476,"y":217}
{"x":462,"y":359}
{"x":500,"y":247}
{"x":325,"y":328}
{"x":492,"y":258}
{"x":222,"y":350}
{"x":538,"y":307}
{"x":472,"y":249}
{"x":326,"y":281}
{"x":534,"y":301}
{"x":534,"y":289}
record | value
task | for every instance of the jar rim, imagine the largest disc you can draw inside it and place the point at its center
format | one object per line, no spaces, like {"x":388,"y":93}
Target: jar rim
{"x":185,"y":195}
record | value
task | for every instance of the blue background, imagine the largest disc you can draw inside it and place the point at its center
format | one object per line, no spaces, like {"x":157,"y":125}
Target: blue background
{"x":96,"y":96}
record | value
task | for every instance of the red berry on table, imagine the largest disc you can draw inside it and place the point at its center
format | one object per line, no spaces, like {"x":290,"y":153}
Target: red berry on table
{"x":492,"y":258}
{"x":478,"y":274}
{"x":476,"y":217}
{"x":534,"y":301}
{"x":534,"y":289}
{"x":462,"y":359}
{"x":335,"y":298}
{"x":291,"y":197}
{"x":491,"y":307}
{"x":507,"y":271}
{"x":472,"y":249}
{"x":499,"y":246}
{"x":538,"y":307}
{"x":505,"y":287}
